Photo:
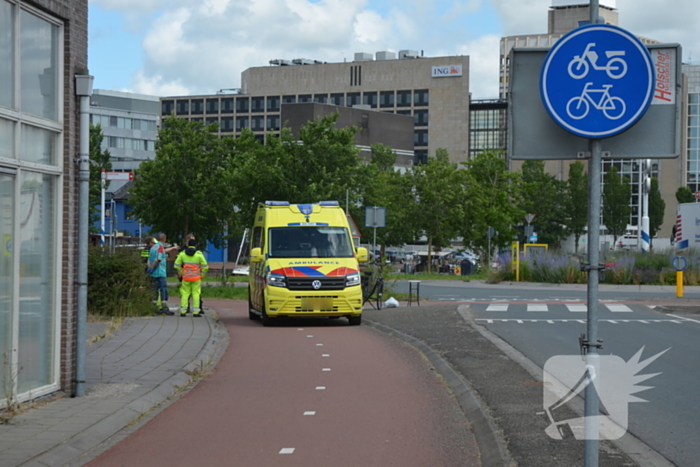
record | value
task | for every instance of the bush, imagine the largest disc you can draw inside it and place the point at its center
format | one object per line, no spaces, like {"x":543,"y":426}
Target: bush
{"x":117,"y":283}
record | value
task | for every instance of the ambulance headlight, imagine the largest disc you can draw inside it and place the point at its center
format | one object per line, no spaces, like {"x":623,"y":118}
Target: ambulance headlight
{"x":276,"y":280}
{"x":352,"y":279}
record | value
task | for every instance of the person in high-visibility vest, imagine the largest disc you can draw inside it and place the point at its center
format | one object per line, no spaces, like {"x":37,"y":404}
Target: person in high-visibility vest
{"x":191,"y":267}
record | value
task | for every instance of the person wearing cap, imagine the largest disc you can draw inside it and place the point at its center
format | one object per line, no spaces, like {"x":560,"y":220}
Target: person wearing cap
{"x":191,"y":267}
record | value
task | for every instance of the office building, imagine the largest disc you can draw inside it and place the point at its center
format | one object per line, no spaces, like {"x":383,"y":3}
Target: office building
{"x":433,"y":90}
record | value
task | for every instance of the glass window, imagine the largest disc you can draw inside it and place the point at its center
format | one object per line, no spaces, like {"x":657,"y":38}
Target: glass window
{"x":257,"y":104}
{"x":273,"y":103}
{"x":694,"y":110}
{"x":386,"y":99}
{"x":338,"y":99}
{"x":183,"y":107}
{"x":242,"y":122}
{"x":38,"y":145}
{"x":211,"y":120}
{"x":7,"y":57}
{"x":226,"y":124}
{"x":258,"y":123}
{"x":38,"y":58}
{"x":420,"y":138}
{"x":353,"y":99}
{"x":151,"y":125}
{"x":321,"y":98}
{"x":136,"y":124}
{"x":420,"y":118}
{"x":227,"y":105}
{"x":310,"y":242}
{"x":421,"y":97}
{"x":403,"y":98}
{"x":694,"y":98}
{"x":242,"y":104}
{"x":7,"y":139}
{"x":289,"y":99}
{"x":273,"y":122}
{"x":197,"y":106}
{"x":37,"y":247}
{"x":370,"y":98}
{"x":213,"y":106}
{"x":304,"y":98}
{"x":167,"y":107}
{"x":7,"y":220}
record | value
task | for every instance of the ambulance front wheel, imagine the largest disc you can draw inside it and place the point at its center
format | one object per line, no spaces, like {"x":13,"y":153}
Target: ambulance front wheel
{"x":355,"y":320}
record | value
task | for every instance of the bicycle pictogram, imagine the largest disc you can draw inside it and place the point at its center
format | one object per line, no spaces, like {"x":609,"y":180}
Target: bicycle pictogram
{"x":616,"y":67}
{"x":612,"y":107}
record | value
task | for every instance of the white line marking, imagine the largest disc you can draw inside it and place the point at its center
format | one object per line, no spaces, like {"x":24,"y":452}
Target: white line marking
{"x":581,"y":321}
{"x":325,"y":355}
{"x":676,"y":321}
{"x":610,"y":321}
{"x":320,"y":388}
{"x":532,"y":308}
{"x":489,"y":321}
{"x":319,"y":345}
{"x":326,"y":369}
{"x":550,"y":321}
{"x":287,"y":451}
{"x":300,"y":329}
{"x":642,"y":321}
{"x":519,"y":321}
{"x":497,"y":308}
{"x":309,"y":413}
{"x":619,"y":308}
{"x":309,"y":336}
{"x":577,"y":308}
{"x":684,"y":318}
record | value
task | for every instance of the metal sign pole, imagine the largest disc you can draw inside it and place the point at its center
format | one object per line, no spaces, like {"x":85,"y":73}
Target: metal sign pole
{"x":102,"y":202}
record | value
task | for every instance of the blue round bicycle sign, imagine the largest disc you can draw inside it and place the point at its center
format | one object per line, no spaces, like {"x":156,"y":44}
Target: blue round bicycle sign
{"x":597,"y":81}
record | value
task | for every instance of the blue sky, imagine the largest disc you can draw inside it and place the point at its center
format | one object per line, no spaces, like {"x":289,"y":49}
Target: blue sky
{"x":181,"y":47}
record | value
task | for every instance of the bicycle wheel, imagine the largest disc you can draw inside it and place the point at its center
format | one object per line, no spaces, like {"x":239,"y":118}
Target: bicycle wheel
{"x":578,"y":67}
{"x":614,"y":108}
{"x":577,"y":108}
{"x":380,"y":293}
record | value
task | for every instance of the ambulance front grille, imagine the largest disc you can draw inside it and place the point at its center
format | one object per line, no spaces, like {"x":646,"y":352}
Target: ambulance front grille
{"x":307,"y":283}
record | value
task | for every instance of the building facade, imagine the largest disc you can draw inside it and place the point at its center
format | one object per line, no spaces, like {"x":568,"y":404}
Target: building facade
{"x":43,"y":46}
{"x":433,"y":90}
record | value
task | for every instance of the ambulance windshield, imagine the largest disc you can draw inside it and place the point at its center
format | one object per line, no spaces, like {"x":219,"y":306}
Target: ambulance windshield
{"x":310,"y":242}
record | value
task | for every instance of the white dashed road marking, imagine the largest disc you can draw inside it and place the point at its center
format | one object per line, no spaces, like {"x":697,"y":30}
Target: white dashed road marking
{"x":577,"y":308}
{"x":532,"y":308}
{"x":619,"y":308}
{"x":497,"y":308}
{"x":287,"y":451}
{"x":326,"y":369}
{"x":320,"y":388}
{"x":307,"y":413}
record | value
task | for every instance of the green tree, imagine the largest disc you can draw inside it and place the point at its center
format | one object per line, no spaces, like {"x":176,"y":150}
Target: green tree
{"x":321,"y":163}
{"x":657,"y":209}
{"x":488,"y":201}
{"x":100,"y":160}
{"x":186,"y":188}
{"x":436,"y":210}
{"x":543,"y":195}
{"x":381,"y":185}
{"x":684,"y":195}
{"x":616,"y":203}
{"x":576,"y":202}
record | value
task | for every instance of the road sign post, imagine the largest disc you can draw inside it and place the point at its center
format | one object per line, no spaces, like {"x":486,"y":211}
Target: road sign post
{"x":596,"y":82}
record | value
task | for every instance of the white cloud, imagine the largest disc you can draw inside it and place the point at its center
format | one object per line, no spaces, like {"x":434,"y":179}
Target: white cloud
{"x":522,"y":16}
{"x":483,"y":66}
{"x":156,"y":86}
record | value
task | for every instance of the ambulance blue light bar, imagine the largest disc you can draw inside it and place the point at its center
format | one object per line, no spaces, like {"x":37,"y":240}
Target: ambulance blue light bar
{"x":277,"y":203}
{"x":306,"y":209}
{"x":328,"y":203}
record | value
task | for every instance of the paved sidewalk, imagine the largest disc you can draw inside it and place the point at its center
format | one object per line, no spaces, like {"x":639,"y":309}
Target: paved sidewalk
{"x":146,"y":363}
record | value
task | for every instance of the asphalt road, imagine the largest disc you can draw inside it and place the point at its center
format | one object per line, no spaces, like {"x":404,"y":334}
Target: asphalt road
{"x":667,"y":422}
{"x":306,"y":393}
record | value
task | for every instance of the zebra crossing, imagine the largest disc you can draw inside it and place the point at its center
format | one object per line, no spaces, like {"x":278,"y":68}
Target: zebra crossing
{"x":544,"y":307}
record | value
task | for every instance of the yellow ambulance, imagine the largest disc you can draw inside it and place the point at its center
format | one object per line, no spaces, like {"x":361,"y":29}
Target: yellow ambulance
{"x":304,"y":263}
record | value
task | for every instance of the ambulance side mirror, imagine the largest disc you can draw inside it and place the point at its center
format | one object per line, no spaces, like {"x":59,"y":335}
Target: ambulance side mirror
{"x":362,"y":255}
{"x":256,"y":255}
